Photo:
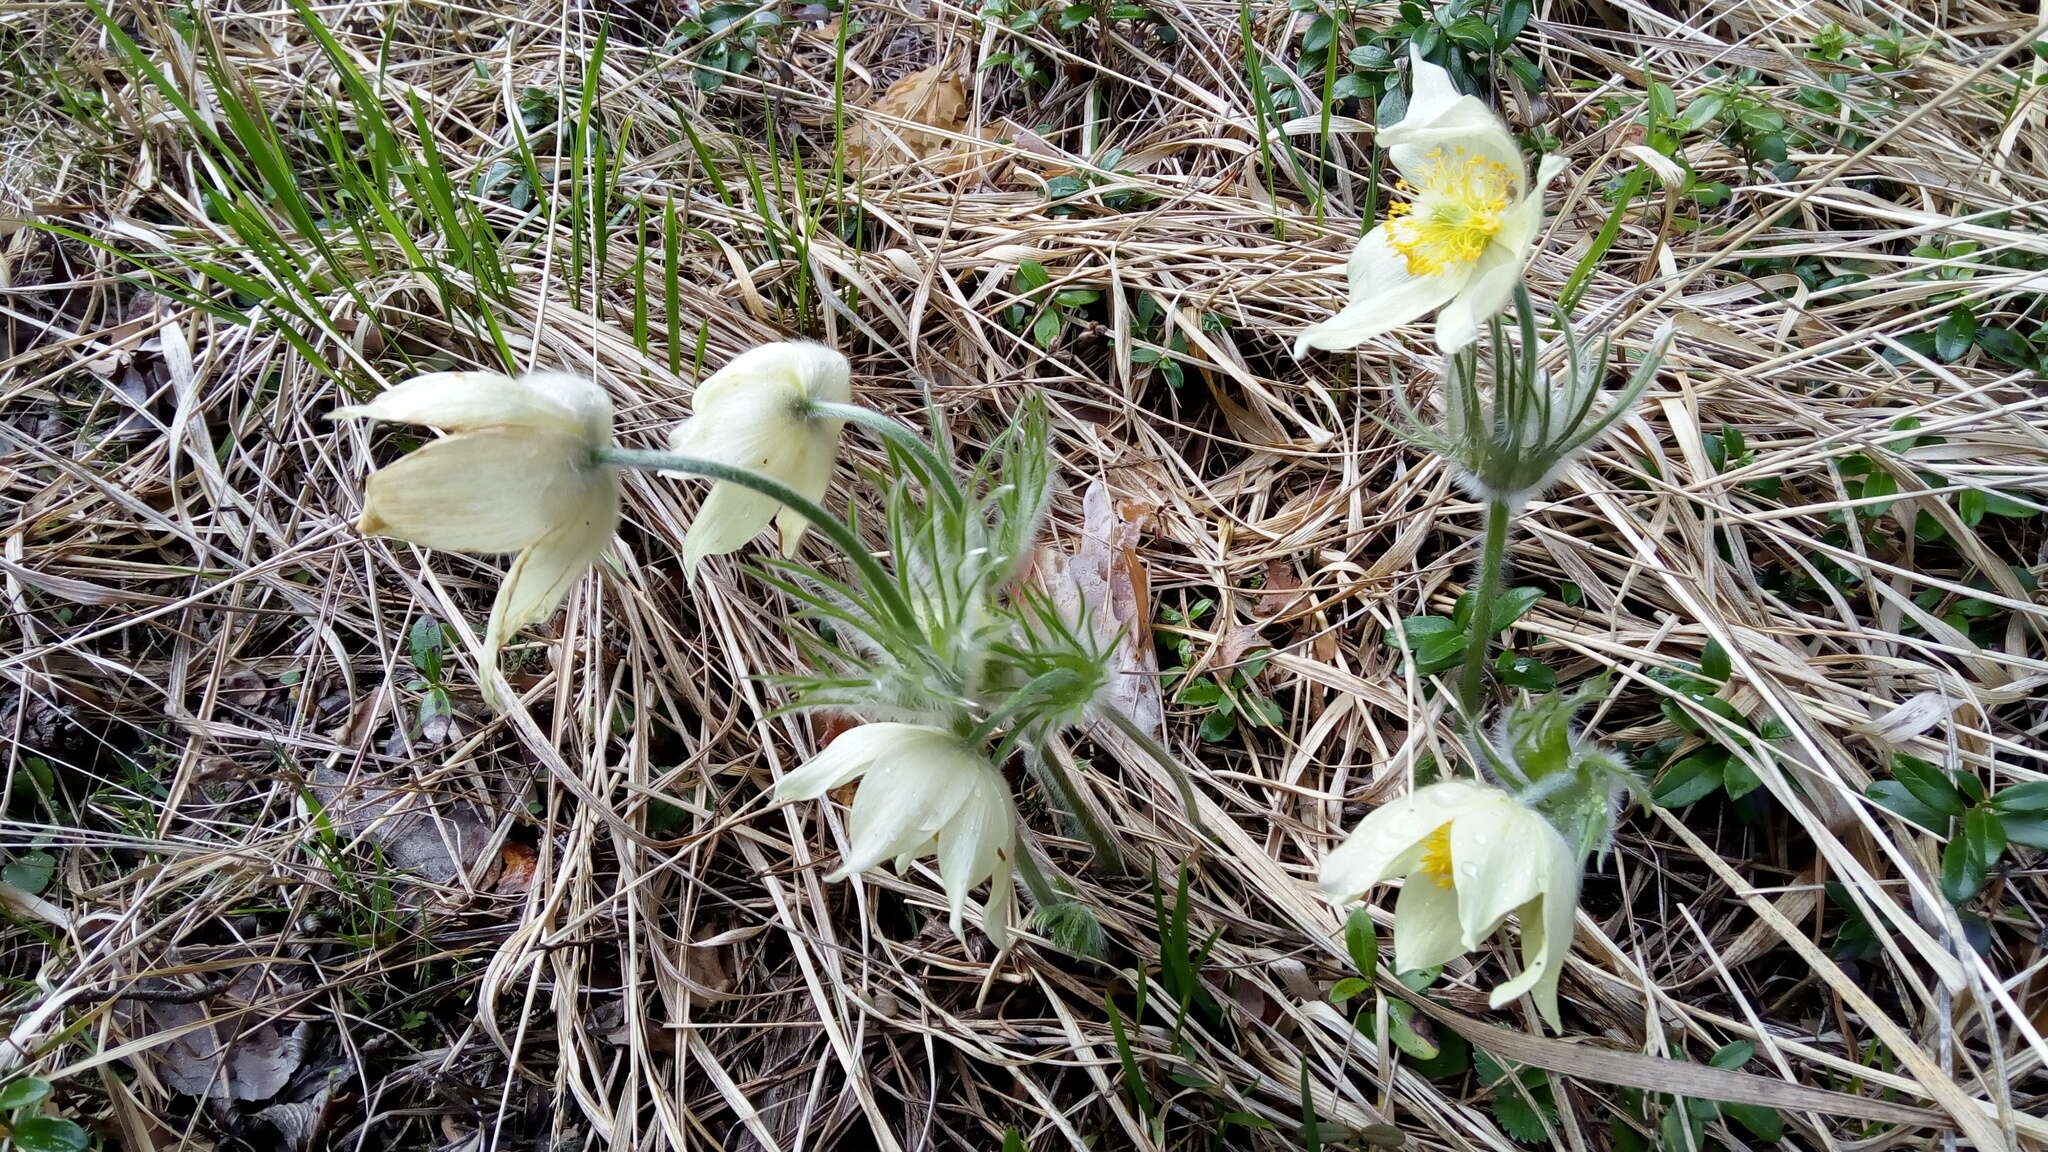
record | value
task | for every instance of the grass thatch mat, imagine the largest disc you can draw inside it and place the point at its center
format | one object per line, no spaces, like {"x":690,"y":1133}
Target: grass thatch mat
{"x":217,"y":222}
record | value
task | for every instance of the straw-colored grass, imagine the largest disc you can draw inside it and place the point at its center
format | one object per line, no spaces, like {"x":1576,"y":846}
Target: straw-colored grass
{"x":606,"y":935}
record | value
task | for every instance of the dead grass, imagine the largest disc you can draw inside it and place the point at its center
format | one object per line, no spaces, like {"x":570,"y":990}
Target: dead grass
{"x":628,"y":947}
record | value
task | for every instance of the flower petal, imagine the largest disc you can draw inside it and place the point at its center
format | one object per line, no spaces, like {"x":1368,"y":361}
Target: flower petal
{"x":1425,"y":924}
{"x":1388,"y":842}
{"x":799,"y":368}
{"x":972,"y":843}
{"x":1492,"y":850}
{"x":810,"y":475}
{"x":1384,"y":296}
{"x":909,"y":796}
{"x":462,"y":401}
{"x":1490,"y":286}
{"x":845,"y":758}
{"x":729,"y":518}
{"x":1438,"y":117}
{"x":1547,"y":925}
{"x":498,"y":490}
{"x":541,"y":575}
{"x":1002,"y":899}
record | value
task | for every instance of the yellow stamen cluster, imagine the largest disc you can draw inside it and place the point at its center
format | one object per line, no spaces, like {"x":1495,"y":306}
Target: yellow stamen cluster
{"x":1449,"y":220}
{"x":1436,"y":857}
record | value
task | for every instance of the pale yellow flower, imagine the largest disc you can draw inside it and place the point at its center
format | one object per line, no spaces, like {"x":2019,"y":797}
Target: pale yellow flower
{"x":518,"y":473}
{"x":1457,"y":244}
{"x":754,"y":414}
{"x":1471,"y":855}
{"x":922,"y":792}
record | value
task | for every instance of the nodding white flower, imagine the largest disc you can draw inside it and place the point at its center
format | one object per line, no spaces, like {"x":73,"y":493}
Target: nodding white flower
{"x":1460,"y":238}
{"x":519,"y":473}
{"x":754,"y":413}
{"x":924,"y":792}
{"x":1471,"y":854}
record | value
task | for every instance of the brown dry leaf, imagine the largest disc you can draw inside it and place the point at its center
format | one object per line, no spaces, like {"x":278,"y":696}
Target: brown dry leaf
{"x":434,"y":837}
{"x":930,"y":96}
{"x":517,"y":861}
{"x":1106,"y":575}
{"x":222,"y":1051}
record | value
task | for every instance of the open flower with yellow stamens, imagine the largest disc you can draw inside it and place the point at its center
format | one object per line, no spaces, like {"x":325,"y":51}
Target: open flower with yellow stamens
{"x":1457,"y":243}
{"x":1471,"y":855}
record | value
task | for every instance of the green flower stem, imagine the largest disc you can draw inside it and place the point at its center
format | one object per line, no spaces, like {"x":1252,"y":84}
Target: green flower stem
{"x":1164,"y":759}
{"x":831,"y":526}
{"x":1062,"y":785}
{"x":895,"y":432}
{"x":1479,"y":640}
{"x":1042,"y":892}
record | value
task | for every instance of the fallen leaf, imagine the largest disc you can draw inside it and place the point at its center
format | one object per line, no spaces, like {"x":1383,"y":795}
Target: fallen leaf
{"x":237,"y":1045}
{"x":1105,"y":574}
{"x":434,"y":837}
{"x":517,"y":861}
{"x":933,"y":97}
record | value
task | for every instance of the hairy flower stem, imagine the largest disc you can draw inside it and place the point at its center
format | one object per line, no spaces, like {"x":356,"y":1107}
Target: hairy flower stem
{"x":831,"y":526}
{"x":1042,"y":891}
{"x":1480,"y":638}
{"x":895,"y":432}
{"x":1057,"y":779}
{"x":1166,"y":760}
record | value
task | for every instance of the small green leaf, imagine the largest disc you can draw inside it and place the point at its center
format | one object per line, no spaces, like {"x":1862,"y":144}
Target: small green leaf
{"x":1401,"y":1030}
{"x":1714,"y":663}
{"x":26,"y":1092}
{"x":1967,"y":860}
{"x":2031,"y":797}
{"x":1733,"y":1056}
{"x":1958,"y":331}
{"x":1013,"y":1141}
{"x":1928,"y":784}
{"x":1689,"y":780}
{"x":44,"y":1134}
{"x":1739,"y":779}
{"x":1763,"y":1122}
{"x":2009,"y":346}
{"x":1893,"y":795}
{"x":1518,"y":671}
{"x":1362,"y":941}
{"x":31,"y":873}
{"x":1512,"y":606}
{"x":1347,"y":988}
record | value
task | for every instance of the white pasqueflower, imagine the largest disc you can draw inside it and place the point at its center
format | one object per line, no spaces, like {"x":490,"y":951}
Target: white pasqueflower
{"x":924,"y":792}
{"x":1471,"y":854}
{"x":754,"y":414}
{"x":519,"y":473}
{"x":1459,"y":240}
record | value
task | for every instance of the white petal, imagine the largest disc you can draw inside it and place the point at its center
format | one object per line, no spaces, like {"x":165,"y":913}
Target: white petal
{"x":1384,"y":296}
{"x":845,"y":758}
{"x":1491,"y":285}
{"x":1002,"y":899}
{"x":1546,"y":935}
{"x":461,"y":401}
{"x":498,"y":490}
{"x":1438,"y":117}
{"x":731,"y":516}
{"x":810,"y":475}
{"x":580,"y":396}
{"x":803,"y":370}
{"x":1431,"y":94}
{"x":909,"y":795}
{"x":972,"y":843}
{"x":1425,"y":924}
{"x":1388,"y":842}
{"x":540,"y":576}
{"x":1497,"y":856}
